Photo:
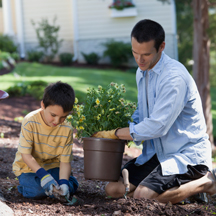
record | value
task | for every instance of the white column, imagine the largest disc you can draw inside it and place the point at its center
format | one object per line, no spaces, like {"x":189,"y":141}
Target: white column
{"x":174,"y":30}
{"x":75,"y":29}
{"x":7,"y":16}
{"x":20,"y":28}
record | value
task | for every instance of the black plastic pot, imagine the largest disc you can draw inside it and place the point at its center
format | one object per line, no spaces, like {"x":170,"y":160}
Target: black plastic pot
{"x":102,"y":158}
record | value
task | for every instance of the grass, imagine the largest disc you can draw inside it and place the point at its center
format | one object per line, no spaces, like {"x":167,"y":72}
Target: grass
{"x":82,"y":78}
{"x":79,"y":78}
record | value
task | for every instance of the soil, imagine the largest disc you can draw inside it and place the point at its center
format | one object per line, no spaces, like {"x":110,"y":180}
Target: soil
{"x":91,"y":192}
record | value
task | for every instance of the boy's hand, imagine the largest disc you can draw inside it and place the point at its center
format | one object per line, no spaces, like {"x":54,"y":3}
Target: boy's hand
{"x":111,"y":134}
{"x":64,"y":188}
{"x":47,"y":181}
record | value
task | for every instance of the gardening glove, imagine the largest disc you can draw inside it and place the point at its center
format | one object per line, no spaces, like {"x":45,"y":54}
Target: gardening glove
{"x":47,"y":181}
{"x":111,"y":134}
{"x":64,"y":188}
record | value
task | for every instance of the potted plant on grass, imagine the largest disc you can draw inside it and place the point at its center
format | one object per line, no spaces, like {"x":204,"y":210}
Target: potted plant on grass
{"x":103,"y":109}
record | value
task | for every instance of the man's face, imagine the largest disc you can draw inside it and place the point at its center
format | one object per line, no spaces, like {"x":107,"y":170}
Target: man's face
{"x":145,"y":54}
{"x":53,"y":115}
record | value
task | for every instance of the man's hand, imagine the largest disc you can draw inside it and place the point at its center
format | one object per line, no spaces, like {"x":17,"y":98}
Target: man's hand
{"x":47,"y":181}
{"x":111,"y":134}
{"x":64,"y":188}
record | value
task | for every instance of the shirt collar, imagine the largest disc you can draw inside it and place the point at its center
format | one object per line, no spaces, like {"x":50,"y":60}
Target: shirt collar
{"x":157,"y":67}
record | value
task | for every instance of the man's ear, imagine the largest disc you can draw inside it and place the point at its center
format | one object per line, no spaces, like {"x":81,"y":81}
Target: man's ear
{"x":42,"y":105}
{"x":162,"y":46}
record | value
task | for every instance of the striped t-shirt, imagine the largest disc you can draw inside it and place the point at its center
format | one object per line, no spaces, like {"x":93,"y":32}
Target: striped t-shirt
{"x":48,"y":145}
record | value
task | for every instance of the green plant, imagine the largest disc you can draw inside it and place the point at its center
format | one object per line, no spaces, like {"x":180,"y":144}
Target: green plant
{"x":7,"y":44}
{"x":103,"y":109}
{"x":34,"y":56}
{"x":91,"y":58}
{"x":47,"y":35}
{"x":6,"y":61}
{"x":35,"y":89}
{"x":118,"y":52}
{"x":66,"y":58}
{"x":17,"y":90}
{"x":15,"y":56}
{"x":121,"y":4}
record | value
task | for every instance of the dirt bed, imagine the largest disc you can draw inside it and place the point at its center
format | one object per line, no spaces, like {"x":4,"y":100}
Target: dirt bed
{"x":91,"y":192}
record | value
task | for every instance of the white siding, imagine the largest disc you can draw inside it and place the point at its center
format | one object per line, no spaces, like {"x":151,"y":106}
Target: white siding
{"x":96,"y":26}
{"x":38,"y":9}
{"x":94,"y":19}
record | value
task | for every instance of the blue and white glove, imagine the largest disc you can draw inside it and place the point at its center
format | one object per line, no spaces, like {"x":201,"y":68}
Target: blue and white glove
{"x":64,"y":187}
{"x":47,"y":181}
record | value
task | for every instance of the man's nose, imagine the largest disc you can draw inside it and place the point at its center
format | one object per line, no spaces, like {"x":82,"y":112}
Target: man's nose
{"x":140,"y":59}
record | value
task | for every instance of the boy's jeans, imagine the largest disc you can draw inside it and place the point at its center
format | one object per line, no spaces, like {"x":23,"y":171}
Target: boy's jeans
{"x":30,"y":184}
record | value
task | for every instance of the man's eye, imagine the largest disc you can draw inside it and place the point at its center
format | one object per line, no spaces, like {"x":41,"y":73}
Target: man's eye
{"x":53,"y":115}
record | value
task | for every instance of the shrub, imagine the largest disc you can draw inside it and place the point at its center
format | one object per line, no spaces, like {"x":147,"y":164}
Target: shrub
{"x":35,"y":89}
{"x":47,"y":35}
{"x":66,"y":58}
{"x":118,"y":52}
{"x":91,"y":58}
{"x":15,"y":56}
{"x":34,"y":56}
{"x":17,"y":90}
{"x":7,"y":44}
{"x":6,"y":61}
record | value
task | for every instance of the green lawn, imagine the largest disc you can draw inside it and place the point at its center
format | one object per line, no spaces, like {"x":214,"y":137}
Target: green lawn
{"x":81,"y":79}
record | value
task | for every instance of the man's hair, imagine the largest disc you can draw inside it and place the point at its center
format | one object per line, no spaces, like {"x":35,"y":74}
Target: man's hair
{"x":61,"y":94}
{"x":147,"y":30}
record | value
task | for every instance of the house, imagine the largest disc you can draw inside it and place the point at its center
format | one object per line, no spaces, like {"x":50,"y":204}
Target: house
{"x":85,"y":24}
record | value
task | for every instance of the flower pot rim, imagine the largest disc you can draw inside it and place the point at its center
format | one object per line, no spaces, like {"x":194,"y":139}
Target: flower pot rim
{"x":105,"y":139}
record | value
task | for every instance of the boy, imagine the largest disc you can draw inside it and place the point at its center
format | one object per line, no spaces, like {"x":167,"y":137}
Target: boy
{"x":43,"y":158}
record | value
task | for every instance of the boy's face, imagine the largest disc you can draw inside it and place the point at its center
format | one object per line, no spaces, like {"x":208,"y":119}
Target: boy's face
{"x":145,"y":54}
{"x":53,"y":115}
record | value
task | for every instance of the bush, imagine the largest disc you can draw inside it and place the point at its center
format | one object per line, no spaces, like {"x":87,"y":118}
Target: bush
{"x":17,"y":90}
{"x":6,"y":60}
{"x":15,"y":56}
{"x":118,"y":52}
{"x":34,"y":89}
{"x":47,"y":35}
{"x":66,"y":58}
{"x":7,"y":44}
{"x":91,"y":58}
{"x":34,"y":56}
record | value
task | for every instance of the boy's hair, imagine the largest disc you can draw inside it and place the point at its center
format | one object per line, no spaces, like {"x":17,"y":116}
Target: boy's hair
{"x":61,"y":94}
{"x":147,"y":30}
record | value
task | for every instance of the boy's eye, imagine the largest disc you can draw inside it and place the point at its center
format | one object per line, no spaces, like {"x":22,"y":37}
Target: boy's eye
{"x":53,"y":115}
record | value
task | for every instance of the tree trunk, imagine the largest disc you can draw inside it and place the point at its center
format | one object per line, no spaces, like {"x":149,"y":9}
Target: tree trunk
{"x":201,"y":58}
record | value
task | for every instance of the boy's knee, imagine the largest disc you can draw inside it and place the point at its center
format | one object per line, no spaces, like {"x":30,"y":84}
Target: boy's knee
{"x":113,"y":190}
{"x":33,"y":193}
{"x":73,"y":184}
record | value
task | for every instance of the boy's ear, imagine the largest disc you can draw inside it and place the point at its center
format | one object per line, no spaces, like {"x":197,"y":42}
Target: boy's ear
{"x":42,"y":105}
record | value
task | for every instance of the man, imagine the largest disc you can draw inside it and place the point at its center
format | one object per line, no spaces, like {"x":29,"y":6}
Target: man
{"x":169,"y":123}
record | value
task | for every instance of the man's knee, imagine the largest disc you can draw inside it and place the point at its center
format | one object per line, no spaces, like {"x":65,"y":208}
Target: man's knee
{"x":144,"y":192}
